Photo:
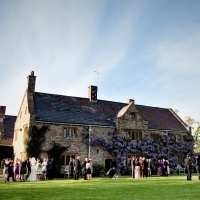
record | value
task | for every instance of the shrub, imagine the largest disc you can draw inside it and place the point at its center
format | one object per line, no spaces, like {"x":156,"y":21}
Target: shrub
{"x":97,"y":168}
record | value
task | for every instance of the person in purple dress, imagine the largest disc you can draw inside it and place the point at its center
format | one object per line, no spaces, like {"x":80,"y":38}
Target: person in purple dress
{"x":16,"y":169}
{"x":162,"y":167}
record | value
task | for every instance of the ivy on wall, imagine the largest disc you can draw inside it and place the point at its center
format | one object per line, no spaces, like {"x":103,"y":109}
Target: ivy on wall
{"x":55,"y":152}
{"x":35,"y":137}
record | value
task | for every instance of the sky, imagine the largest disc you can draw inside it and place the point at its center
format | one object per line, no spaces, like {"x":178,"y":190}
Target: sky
{"x":146,"y":50}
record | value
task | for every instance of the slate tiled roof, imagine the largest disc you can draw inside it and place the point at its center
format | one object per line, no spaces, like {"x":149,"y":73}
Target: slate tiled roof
{"x":76,"y":110}
{"x":9,"y":123}
{"x":65,"y":109}
{"x":160,"y":118}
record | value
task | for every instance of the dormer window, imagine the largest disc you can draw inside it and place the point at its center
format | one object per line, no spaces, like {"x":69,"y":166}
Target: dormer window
{"x":69,"y":133}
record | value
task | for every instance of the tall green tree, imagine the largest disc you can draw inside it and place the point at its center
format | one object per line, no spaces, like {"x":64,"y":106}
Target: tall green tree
{"x":197,"y":139}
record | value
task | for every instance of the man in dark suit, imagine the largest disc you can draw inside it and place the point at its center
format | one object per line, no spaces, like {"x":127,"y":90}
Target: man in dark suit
{"x":165,"y":167}
{"x":10,"y":170}
{"x":77,"y":168}
{"x":188,"y":166}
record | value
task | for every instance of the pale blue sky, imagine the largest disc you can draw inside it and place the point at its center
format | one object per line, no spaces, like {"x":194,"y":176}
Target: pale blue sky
{"x":147,"y":50}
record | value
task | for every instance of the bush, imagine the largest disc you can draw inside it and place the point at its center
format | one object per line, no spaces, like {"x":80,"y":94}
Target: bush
{"x":97,"y":168}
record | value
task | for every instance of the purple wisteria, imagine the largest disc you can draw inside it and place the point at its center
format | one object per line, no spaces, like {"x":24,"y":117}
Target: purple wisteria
{"x":167,"y":147}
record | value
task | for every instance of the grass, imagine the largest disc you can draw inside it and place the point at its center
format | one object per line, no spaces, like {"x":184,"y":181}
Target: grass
{"x":124,"y":188}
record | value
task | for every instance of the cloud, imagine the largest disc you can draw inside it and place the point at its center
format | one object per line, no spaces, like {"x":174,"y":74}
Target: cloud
{"x":178,"y":56}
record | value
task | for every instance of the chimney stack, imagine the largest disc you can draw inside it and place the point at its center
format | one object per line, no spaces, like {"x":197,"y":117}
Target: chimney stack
{"x":131,"y":100}
{"x":190,"y":130}
{"x":31,"y":79}
{"x":92,"y":93}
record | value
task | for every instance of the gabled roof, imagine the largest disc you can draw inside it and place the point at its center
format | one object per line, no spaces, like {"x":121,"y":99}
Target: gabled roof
{"x":9,"y":123}
{"x":160,"y":118}
{"x":77,"y":110}
{"x":123,"y":110}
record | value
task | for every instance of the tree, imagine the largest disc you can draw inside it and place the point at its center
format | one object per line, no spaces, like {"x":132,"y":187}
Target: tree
{"x":189,"y":121}
{"x":197,"y":139}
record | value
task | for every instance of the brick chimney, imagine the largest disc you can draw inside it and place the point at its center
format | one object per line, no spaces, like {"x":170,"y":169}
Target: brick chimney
{"x":190,"y":129}
{"x":2,"y":115}
{"x":92,"y":93}
{"x":31,"y":79}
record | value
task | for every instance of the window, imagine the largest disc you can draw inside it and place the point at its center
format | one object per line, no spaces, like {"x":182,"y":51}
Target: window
{"x":66,"y":158}
{"x":178,"y":138}
{"x":132,"y":116}
{"x":126,"y":135}
{"x":155,"y":137}
{"x":69,"y":133}
{"x":97,"y":151}
{"x":133,"y":135}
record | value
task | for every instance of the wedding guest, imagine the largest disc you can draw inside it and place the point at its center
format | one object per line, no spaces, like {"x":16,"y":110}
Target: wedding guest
{"x":137,"y":168}
{"x":149,"y":167}
{"x":28,"y":168}
{"x":198,"y":166}
{"x":133,"y":166}
{"x":50,"y":168}
{"x":77,"y":168}
{"x":189,"y":165}
{"x":159,"y":171}
{"x":88,"y":168}
{"x":71,"y":167}
{"x":162,"y":167}
{"x":141,"y":166}
{"x":38,"y":169}
{"x":5,"y":169}
{"x":44,"y":168}
{"x":16,"y":169}
{"x":91,"y":165}
{"x":10,"y":170}
{"x":32,"y":176}
{"x":23,"y":169}
{"x":145,"y":167}
{"x":85,"y":170}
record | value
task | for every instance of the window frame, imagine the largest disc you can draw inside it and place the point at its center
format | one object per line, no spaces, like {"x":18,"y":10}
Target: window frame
{"x":69,"y":132}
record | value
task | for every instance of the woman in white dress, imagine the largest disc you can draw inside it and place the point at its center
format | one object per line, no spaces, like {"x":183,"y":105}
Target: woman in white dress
{"x":137,"y":168}
{"x":32,"y":176}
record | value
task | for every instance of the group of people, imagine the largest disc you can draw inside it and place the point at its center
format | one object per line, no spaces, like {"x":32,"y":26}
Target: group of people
{"x":31,"y":169}
{"x":75,"y":171}
{"x":163,"y":167}
{"x":141,"y":167}
{"x":190,"y":164}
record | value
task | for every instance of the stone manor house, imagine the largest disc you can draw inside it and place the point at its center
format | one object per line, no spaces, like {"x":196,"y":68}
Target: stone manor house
{"x":6,"y":134}
{"x":68,"y":117}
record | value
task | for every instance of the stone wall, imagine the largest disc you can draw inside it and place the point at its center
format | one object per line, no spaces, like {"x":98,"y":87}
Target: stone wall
{"x":76,"y":145}
{"x":22,"y":121}
{"x":131,"y":119}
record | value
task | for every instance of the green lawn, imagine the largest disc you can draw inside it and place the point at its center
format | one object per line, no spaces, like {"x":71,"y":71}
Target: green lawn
{"x":123,"y":188}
